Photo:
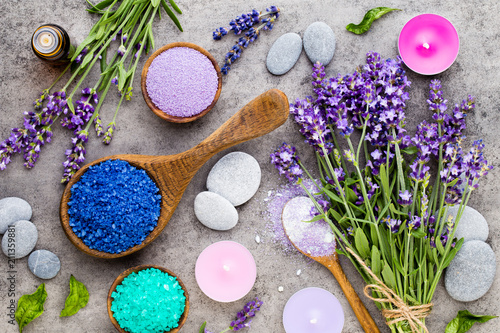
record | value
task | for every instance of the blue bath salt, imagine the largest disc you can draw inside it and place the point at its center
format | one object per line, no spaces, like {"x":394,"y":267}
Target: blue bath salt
{"x":113,"y":206}
{"x":150,"y":301}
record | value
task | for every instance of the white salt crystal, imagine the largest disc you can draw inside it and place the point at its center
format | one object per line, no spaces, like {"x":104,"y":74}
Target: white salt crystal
{"x":298,"y":272}
{"x":280,"y":289}
{"x":257,"y":238}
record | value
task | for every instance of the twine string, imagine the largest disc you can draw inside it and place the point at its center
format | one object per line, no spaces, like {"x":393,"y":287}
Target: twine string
{"x":402,"y":312}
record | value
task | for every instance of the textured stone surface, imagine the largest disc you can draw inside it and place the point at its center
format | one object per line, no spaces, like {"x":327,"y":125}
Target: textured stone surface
{"x":284,"y":53}
{"x":472,"y":225}
{"x":471,"y":272}
{"x":319,"y":43}
{"x":13,"y":209}
{"x":214,"y":211}
{"x":235,"y":177}
{"x":44,"y":264}
{"x":19,"y":239}
{"x":139,"y":131}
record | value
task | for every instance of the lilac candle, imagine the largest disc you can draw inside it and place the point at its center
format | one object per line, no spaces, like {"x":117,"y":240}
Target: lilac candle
{"x":313,"y":310}
{"x":428,"y":44}
{"x":225,"y":271}
{"x":182,"y":82}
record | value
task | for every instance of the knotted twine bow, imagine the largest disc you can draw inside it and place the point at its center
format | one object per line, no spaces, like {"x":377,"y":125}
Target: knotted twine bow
{"x":403,"y":312}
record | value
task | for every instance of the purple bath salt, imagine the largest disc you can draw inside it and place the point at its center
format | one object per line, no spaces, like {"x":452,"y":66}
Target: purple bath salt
{"x":315,"y":238}
{"x":182,"y":82}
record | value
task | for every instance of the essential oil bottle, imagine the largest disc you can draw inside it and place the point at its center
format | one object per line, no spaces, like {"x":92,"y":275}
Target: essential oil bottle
{"x":51,"y":43}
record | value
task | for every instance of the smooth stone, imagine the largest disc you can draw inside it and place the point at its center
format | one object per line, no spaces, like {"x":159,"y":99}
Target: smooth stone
{"x":44,"y":264}
{"x":24,"y":238}
{"x":13,"y":209}
{"x":319,"y":43}
{"x":472,"y":225}
{"x":235,"y":177}
{"x":284,"y":53}
{"x":472,"y":271}
{"x":214,"y":211}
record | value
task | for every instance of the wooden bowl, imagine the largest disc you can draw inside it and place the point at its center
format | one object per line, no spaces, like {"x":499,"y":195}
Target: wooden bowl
{"x":154,"y":108}
{"x":136,"y":269}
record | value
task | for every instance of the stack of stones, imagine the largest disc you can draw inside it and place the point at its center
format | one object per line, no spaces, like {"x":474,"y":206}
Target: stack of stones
{"x":20,"y":237}
{"x":233,"y":180}
{"x":472,"y":271}
{"x":319,"y":44}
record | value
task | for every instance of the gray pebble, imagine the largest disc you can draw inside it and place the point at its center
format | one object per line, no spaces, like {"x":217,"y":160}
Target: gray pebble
{"x":472,"y":271}
{"x":319,"y":43}
{"x":214,"y":211}
{"x":19,"y":239}
{"x":44,"y":264}
{"x":472,"y":225}
{"x":284,"y":53}
{"x":235,"y":177}
{"x":13,"y":209}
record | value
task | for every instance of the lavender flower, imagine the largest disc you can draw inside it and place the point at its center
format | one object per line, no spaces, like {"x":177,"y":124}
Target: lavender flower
{"x":108,"y":136}
{"x":245,"y":22}
{"x":75,"y":156}
{"x":243,"y":318}
{"x":413,"y":222}
{"x":405,"y":198}
{"x":392,"y":224}
{"x":285,"y":159}
{"x":121,"y":50}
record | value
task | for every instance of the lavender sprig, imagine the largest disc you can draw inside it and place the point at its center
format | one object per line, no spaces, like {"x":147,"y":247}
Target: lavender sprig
{"x":245,"y":23}
{"x":243,"y":317}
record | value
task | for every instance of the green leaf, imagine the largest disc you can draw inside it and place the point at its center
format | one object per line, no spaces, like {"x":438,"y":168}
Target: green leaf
{"x":370,"y":16}
{"x":464,"y":321}
{"x":410,"y":150}
{"x":88,"y":58}
{"x":69,"y":102}
{"x":100,"y":6}
{"x":450,"y":257}
{"x":171,"y":14}
{"x":316,"y":218}
{"x":350,"y":194}
{"x":175,"y":7}
{"x":373,"y":234}
{"x":452,"y":326}
{"x":155,"y":3}
{"x":122,"y":77}
{"x":439,"y":246}
{"x":333,"y":196}
{"x":30,"y":307}
{"x":90,"y":38}
{"x":350,"y":181}
{"x":396,"y":211}
{"x":376,"y":262}
{"x":419,"y":233}
{"x":335,"y":214}
{"x":103,"y":64}
{"x":384,"y":181}
{"x":388,"y":276}
{"x":361,"y":243}
{"x":202,"y":328}
{"x":77,"y":299}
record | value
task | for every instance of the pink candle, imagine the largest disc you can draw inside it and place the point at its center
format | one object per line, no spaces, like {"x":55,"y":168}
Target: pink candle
{"x":226,"y":271}
{"x":313,"y":310}
{"x":428,"y":44}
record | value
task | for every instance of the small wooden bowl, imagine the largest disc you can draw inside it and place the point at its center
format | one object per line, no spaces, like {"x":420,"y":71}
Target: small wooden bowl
{"x":154,"y":108}
{"x":136,"y":269}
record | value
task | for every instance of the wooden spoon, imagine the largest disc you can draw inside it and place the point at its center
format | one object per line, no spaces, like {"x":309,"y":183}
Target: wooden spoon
{"x":173,"y":173}
{"x":136,"y":269}
{"x":332,"y":262}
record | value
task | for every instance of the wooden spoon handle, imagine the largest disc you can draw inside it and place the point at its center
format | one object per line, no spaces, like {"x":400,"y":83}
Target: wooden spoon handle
{"x":357,"y":305}
{"x":260,"y":116}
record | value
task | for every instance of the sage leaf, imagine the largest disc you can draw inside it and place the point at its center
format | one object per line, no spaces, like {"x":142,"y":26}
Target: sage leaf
{"x":175,"y":7}
{"x":77,"y":299}
{"x":376,"y":262}
{"x":30,"y":307}
{"x":370,"y":16}
{"x":388,"y":276}
{"x":464,"y":321}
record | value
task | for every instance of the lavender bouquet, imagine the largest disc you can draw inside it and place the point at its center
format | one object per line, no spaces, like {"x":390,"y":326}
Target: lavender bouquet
{"x":389,"y":215}
{"x":128,"y":24}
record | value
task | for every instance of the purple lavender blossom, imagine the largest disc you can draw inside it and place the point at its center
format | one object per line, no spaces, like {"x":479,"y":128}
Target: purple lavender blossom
{"x":413,"y":222}
{"x":405,"y":198}
{"x":392,"y":224}
{"x":285,"y":159}
{"x":243,"y":318}
{"x":475,"y":164}
{"x":75,"y":156}
{"x":245,"y":22}
{"x":108,"y":136}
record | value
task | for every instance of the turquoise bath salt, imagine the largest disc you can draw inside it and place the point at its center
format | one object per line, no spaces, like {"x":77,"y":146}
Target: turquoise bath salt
{"x":150,"y":301}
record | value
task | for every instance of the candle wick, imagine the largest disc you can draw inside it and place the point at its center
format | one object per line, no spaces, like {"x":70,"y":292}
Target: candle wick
{"x":314,"y":321}
{"x":227,"y":268}
{"x":426,"y":45}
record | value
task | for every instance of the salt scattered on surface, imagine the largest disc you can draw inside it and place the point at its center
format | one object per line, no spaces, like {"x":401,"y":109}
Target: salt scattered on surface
{"x":315,"y":238}
{"x":257,"y":238}
{"x":299,"y":272}
{"x":182,"y":82}
{"x":280,"y":289}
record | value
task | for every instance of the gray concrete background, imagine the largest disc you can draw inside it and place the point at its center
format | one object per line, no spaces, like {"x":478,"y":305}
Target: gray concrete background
{"x":22,"y":77}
